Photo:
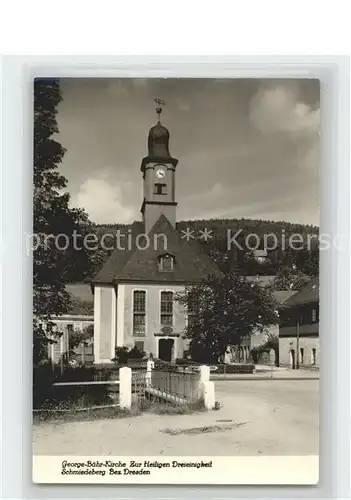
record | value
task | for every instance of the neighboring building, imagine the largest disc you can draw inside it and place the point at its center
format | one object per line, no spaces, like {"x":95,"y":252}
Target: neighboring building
{"x":79,"y":318}
{"x":259,"y":339}
{"x":135,"y":289}
{"x":247,"y":351}
{"x":299,"y":328}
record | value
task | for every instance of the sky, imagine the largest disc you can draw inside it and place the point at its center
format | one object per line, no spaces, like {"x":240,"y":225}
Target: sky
{"x":246,"y":147}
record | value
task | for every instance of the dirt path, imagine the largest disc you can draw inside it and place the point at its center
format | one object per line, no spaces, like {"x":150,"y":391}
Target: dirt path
{"x":257,"y":417}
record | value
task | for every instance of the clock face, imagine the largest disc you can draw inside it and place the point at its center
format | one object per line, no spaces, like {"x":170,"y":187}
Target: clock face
{"x":161,"y":173}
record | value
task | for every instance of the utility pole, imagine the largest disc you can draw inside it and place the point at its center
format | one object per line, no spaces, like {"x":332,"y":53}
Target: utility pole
{"x":297,"y":362}
{"x":61,"y":354}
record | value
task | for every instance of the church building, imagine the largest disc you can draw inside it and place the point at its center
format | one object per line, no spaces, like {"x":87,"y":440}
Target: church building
{"x":135,"y":290}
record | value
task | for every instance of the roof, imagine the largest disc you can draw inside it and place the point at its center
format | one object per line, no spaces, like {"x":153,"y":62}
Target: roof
{"x":309,"y":293}
{"x":192,"y":264}
{"x":283,"y":295}
{"x":81,"y":291}
{"x":158,"y":141}
{"x":118,"y":258}
{"x":82,"y":299}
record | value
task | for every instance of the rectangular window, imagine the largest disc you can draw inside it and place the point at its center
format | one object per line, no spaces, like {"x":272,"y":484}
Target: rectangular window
{"x":139,"y":312}
{"x":192,"y":308}
{"x":139,"y":344}
{"x":166,"y":308}
{"x":160,"y":188}
{"x":314,"y":315}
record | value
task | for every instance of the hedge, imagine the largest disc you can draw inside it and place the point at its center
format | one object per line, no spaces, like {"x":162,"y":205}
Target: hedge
{"x":234,"y":368}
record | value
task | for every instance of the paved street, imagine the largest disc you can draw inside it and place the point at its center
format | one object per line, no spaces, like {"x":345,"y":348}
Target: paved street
{"x":269,"y":417}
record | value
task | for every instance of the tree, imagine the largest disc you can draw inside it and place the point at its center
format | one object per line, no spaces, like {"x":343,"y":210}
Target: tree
{"x":55,"y":259}
{"x":225,"y":311}
{"x":289,"y":278}
{"x":80,"y":337}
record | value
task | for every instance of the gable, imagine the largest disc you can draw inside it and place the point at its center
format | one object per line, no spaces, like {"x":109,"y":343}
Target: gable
{"x":191,"y":263}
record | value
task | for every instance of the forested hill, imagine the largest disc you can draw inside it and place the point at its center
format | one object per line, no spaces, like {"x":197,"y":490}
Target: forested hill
{"x":218,"y":225}
{"x":250,"y":233}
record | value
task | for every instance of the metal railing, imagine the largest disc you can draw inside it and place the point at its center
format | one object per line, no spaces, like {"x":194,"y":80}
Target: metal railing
{"x":177,"y":387}
{"x":125,"y":387}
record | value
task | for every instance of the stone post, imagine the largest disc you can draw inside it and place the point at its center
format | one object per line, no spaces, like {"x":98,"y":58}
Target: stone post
{"x":209,"y":395}
{"x":206,"y":388}
{"x":149,"y":366}
{"x":125,"y":388}
{"x":204,"y":373}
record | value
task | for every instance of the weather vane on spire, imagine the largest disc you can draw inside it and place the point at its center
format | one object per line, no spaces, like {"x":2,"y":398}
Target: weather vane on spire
{"x":160,"y":103}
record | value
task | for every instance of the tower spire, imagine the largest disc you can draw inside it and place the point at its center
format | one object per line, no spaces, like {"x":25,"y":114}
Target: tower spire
{"x":159,"y":103}
{"x":158,"y":169}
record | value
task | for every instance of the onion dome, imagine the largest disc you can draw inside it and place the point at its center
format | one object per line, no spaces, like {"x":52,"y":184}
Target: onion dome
{"x":158,"y":141}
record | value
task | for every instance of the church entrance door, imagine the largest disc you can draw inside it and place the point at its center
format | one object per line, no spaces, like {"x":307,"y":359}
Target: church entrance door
{"x":165,"y":348}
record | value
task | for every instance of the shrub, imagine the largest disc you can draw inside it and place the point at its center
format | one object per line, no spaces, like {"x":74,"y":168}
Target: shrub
{"x":234,"y":368}
{"x":124,"y":354}
{"x":43,"y":378}
{"x":75,"y":374}
{"x":187,"y":362}
{"x":45,"y":394}
{"x":81,"y":396}
{"x":166,"y":365}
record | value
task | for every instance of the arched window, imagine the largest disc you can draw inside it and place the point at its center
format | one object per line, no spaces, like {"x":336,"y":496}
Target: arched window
{"x":166,"y":262}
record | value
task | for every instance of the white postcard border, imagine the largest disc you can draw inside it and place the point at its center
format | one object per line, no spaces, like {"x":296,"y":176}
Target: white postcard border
{"x":243,"y":470}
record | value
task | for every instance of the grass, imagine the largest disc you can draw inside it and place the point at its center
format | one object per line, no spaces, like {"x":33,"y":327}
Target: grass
{"x":185,"y":409}
{"x":78,"y":411}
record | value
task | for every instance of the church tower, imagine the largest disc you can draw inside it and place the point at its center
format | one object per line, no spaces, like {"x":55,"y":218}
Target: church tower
{"x":158,"y":170}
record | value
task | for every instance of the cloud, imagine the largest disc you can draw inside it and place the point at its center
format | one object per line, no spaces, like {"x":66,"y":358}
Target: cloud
{"x":244,"y":146}
{"x":277,"y":108}
{"x":104,"y":202}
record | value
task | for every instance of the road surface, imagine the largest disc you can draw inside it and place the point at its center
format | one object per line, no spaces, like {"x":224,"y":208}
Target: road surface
{"x":257,"y":417}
